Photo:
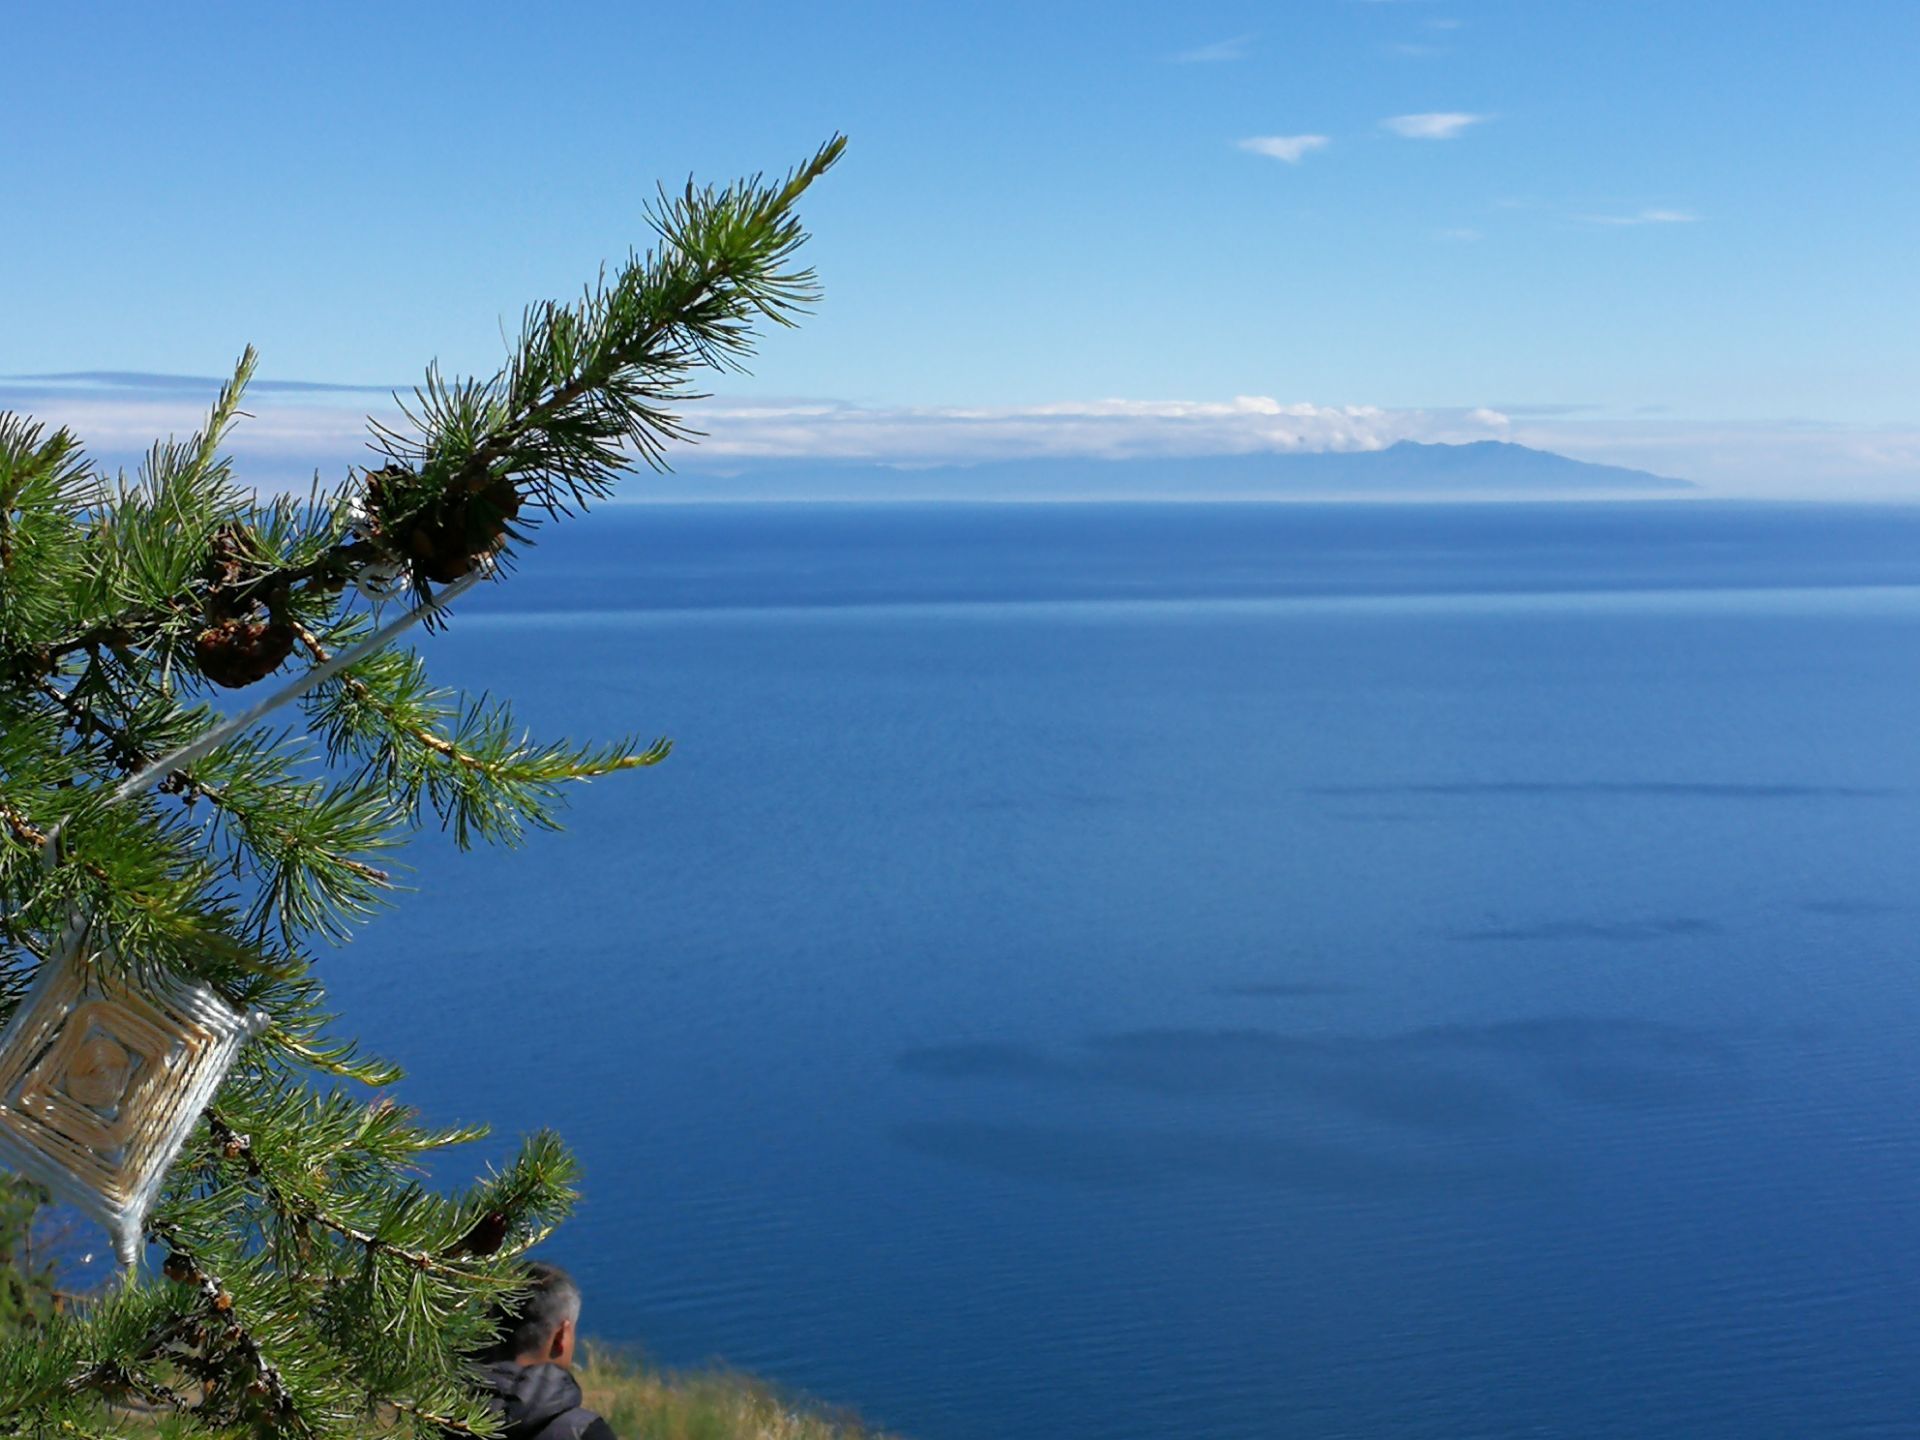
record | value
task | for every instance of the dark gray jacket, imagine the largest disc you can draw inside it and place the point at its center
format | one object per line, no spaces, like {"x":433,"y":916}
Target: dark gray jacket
{"x":539,"y":1402}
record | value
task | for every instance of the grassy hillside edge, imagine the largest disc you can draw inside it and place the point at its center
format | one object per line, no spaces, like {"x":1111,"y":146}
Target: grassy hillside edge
{"x":642,"y":1403}
{"x":637,"y":1400}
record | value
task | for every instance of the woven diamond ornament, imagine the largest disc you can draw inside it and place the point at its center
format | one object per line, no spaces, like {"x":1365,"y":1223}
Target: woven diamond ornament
{"x":101,"y":1080}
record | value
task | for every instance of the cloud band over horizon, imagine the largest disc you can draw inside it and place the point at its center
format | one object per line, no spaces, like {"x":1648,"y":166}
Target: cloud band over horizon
{"x":298,"y":427}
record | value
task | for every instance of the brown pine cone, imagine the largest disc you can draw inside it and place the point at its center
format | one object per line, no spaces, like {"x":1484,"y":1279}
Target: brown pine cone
{"x":235,"y":653}
{"x":445,"y":539}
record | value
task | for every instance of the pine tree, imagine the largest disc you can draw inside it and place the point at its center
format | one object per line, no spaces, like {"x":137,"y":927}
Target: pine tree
{"x":309,"y":1282}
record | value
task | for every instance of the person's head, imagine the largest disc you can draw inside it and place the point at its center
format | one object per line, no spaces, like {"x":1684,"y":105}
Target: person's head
{"x":539,"y":1327}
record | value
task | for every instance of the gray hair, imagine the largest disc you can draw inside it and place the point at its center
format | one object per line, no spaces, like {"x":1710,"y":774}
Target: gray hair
{"x":526,"y":1322}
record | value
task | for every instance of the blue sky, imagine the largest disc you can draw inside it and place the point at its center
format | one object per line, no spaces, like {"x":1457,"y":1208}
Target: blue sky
{"x":1678,"y":234}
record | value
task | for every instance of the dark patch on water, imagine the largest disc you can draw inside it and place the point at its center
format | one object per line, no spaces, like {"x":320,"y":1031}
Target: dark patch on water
{"x":1573,"y":1035}
{"x":1132,"y":1158}
{"x":980,"y":1062}
{"x":1344,"y":1072}
{"x":1445,"y":1078}
{"x":1617,"y":932}
{"x":1615,"y":1063}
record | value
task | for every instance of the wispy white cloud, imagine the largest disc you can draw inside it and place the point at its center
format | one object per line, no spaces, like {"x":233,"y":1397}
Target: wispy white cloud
{"x":1443,"y":24}
{"x":1290,"y":148}
{"x":1437,"y":125}
{"x":1644,"y":217}
{"x":1219,"y":52}
{"x":1109,"y":429}
{"x":1460,"y":232}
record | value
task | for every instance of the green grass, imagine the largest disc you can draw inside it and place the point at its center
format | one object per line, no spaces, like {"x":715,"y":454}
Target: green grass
{"x":641,"y":1403}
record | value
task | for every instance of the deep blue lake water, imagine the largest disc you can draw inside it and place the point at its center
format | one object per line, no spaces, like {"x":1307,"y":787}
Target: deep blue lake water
{"x":1216,"y":971}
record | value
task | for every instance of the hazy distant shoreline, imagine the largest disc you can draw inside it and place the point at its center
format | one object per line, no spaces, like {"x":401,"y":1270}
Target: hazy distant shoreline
{"x":1409,"y":470}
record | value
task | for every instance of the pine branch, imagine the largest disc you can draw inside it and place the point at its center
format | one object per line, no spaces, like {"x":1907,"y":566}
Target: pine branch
{"x":510,"y":768}
{"x":484,"y":779}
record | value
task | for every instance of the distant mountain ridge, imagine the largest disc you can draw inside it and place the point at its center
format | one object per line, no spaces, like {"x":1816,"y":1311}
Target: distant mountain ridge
{"x":1408,"y":468}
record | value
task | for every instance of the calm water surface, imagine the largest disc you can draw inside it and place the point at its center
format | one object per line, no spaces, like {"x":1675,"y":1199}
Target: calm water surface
{"x":1220,"y":971}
